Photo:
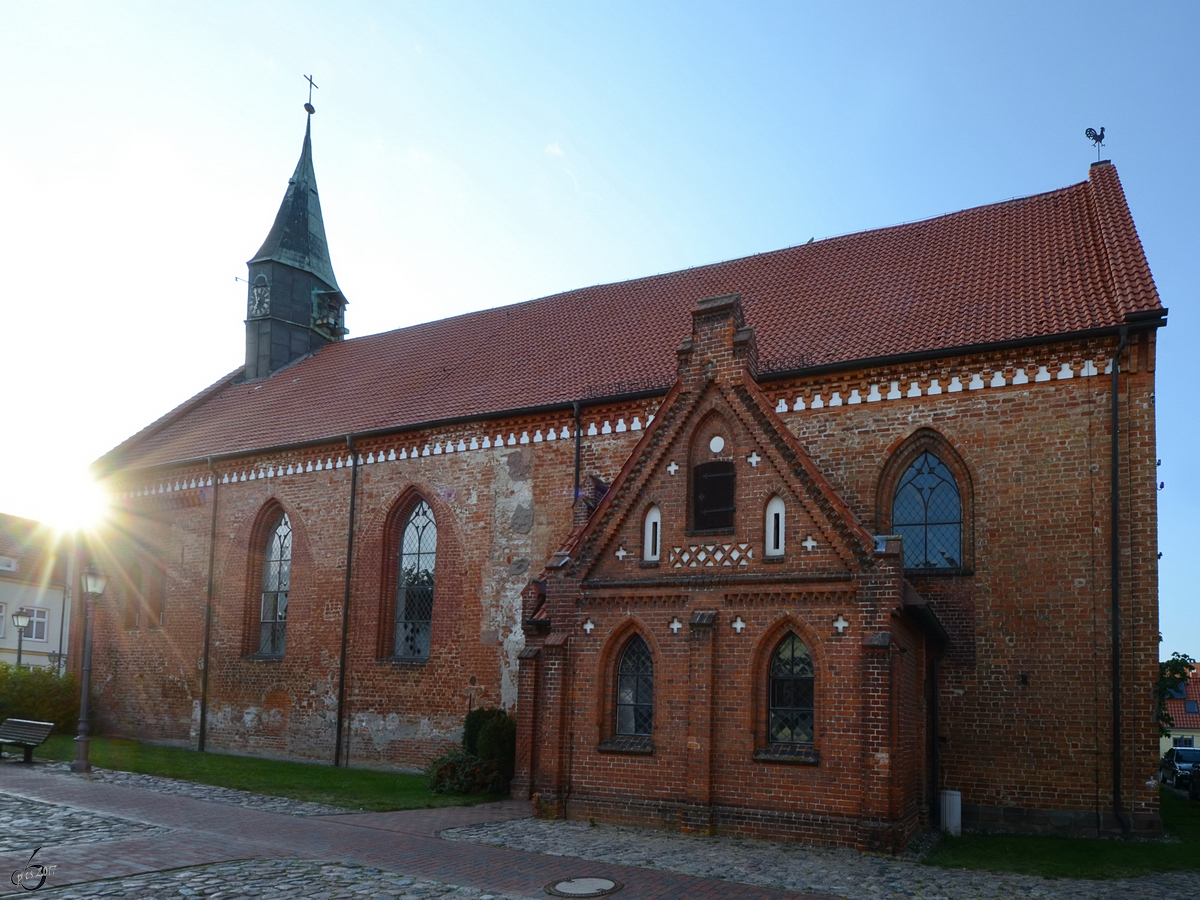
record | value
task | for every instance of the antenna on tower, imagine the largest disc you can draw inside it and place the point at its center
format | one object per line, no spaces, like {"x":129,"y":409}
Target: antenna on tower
{"x":310,"y":109}
{"x":1091,"y":134}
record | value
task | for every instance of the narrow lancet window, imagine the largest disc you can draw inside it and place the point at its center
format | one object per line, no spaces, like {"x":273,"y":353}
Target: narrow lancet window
{"x":635,"y":689}
{"x":775,"y":527}
{"x":653,"y":535}
{"x":790,"y":719}
{"x":414,"y":587}
{"x":277,"y":580}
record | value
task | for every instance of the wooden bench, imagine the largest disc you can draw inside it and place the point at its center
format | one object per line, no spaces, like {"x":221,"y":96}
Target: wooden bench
{"x":25,"y":734}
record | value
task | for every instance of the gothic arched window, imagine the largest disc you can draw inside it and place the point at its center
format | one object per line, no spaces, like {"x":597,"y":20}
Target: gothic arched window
{"x":635,"y":689}
{"x":791,"y":691}
{"x":927,"y":513}
{"x":414,"y":585}
{"x":652,"y":535}
{"x":277,"y":580}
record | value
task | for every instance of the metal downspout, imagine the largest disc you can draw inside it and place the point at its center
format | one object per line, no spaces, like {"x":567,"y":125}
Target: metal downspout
{"x":1115,"y":590}
{"x":341,"y":704}
{"x":578,"y":451}
{"x":208,"y":599}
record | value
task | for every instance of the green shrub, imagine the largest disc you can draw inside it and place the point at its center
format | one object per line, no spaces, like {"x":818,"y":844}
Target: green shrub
{"x":460,"y":772}
{"x":39,"y":694}
{"x":498,"y":744}
{"x":474,"y":723}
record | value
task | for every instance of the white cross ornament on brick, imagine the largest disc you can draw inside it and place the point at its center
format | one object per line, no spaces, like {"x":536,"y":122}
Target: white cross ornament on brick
{"x":754,"y":459}
{"x":621,"y":554}
{"x":808,"y":543}
{"x":738,"y":624}
{"x":675,"y":626}
{"x":588,"y":626}
{"x":672,"y":468}
{"x":840,"y":624}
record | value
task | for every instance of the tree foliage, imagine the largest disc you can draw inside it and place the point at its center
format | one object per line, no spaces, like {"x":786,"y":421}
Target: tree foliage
{"x":1173,"y":674}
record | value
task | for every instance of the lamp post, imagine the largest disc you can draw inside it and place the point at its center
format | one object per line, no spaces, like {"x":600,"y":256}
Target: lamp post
{"x":93,"y":587}
{"x":21,"y":620}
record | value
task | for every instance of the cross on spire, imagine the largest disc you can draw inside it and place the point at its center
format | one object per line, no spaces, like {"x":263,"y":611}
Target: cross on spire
{"x":309,"y":108}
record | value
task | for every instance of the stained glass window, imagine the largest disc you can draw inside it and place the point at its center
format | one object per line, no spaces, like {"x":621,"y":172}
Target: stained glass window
{"x":277,"y":580}
{"x":414,"y":586}
{"x":790,"y":719}
{"x":927,"y":513}
{"x":635,"y":689}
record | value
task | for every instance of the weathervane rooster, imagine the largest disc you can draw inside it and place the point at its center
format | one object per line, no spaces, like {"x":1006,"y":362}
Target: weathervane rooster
{"x":1096,"y":138}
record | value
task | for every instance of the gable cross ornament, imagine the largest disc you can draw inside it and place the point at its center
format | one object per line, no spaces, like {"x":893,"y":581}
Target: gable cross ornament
{"x":675,"y":626}
{"x":588,"y":626}
{"x":808,"y":543}
{"x":754,"y":459}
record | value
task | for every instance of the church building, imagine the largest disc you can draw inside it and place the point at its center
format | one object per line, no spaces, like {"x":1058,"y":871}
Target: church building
{"x":781,"y":546}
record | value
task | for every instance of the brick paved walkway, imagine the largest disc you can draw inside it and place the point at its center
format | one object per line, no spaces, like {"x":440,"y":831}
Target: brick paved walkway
{"x":201,"y":833}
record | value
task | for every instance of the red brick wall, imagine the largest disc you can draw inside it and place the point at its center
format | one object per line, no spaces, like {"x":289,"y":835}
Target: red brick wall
{"x":1034,"y":602}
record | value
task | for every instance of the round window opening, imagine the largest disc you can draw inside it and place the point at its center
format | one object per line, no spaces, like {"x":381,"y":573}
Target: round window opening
{"x":717,"y":444}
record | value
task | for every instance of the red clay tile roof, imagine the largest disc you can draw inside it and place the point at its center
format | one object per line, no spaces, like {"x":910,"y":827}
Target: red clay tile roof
{"x":1055,"y":263}
{"x":1175,"y":708}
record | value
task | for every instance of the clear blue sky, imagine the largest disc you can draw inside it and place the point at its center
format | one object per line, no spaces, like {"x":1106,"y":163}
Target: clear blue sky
{"x":475,"y":154}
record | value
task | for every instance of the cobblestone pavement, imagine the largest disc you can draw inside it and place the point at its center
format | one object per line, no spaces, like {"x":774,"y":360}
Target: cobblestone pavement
{"x":208,"y":792}
{"x":193,"y":848}
{"x":26,"y":825}
{"x":842,"y":873}
{"x":272,"y":879}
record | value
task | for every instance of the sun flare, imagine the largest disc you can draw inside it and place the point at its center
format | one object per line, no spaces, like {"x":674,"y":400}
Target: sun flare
{"x":75,"y":502}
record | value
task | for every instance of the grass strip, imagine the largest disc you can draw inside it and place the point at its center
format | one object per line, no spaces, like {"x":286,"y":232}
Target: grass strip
{"x":365,"y":789}
{"x":1064,"y":857}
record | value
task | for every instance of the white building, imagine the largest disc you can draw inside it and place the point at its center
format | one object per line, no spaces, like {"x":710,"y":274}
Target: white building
{"x":33,"y":566}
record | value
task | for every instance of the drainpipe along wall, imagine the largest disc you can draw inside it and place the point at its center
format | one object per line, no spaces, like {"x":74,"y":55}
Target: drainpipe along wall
{"x":341,"y":702}
{"x":208,"y":601}
{"x":1115,"y":587}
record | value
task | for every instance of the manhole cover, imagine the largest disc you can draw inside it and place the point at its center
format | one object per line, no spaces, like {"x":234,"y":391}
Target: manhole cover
{"x":583,"y":887}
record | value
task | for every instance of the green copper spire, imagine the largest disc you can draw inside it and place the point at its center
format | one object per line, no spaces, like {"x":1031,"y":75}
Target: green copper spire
{"x":297,"y":238}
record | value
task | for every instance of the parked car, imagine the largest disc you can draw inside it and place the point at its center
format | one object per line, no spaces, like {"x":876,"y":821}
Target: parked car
{"x":1194,"y":789}
{"x":1175,"y":768}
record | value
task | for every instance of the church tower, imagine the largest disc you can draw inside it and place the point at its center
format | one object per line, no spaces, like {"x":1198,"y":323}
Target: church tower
{"x":294,"y":305}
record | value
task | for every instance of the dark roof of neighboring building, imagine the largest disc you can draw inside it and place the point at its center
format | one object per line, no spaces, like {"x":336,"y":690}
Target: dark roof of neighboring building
{"x":1057,"y":263}
{"x":1177,"y":708}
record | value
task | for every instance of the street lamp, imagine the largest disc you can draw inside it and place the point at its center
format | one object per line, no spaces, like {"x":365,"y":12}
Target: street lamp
{"x":21,"y":620}
{"x":93,"y":585}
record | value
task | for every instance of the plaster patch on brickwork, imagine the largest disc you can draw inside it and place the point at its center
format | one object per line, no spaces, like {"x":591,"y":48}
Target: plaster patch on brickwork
{"x":379,"y":731}
{"x":503,"y":581}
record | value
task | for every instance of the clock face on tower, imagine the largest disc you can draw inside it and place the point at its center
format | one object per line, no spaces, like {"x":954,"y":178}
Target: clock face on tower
{"x":260,"y":299}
